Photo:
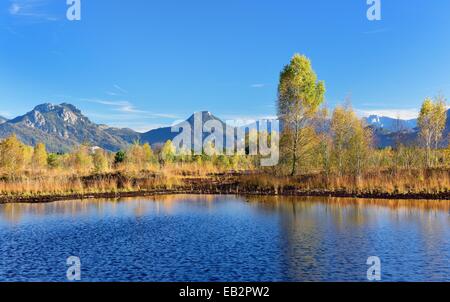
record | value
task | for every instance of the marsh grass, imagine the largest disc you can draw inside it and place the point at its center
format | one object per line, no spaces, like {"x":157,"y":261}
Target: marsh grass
{"x":208,"y":178}
{"x":61,"y":185}
{"x":418,"y":181}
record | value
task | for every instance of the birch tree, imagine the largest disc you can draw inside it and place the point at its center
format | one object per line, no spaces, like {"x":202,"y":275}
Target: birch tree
{"x":432,"y":120}
{"x":39,"y":159}
{"x":299,"y":97}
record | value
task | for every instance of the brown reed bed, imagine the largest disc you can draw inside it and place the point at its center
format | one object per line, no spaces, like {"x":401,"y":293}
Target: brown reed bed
{"x":411,"y":184}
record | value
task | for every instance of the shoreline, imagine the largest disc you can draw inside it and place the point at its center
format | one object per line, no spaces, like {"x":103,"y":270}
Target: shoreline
{"x":120,"y":185}
{"x":218,"y":191}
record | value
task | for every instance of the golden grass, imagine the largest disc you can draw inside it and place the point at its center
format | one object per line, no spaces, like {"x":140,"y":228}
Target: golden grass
{"x":27,"y":186}
{"x":207,"y":178}
{"x":390,"y":182}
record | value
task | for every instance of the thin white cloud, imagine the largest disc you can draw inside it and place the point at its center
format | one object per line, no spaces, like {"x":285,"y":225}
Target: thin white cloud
{"x":165,"y":115}
{"x":120,"y":89}
{"x":121,"y":106}
{"x":123,"y":121}
{"x":32,"y":9}
{"x":14,"y":9}
{"x":258,"y":85}
{"x":6,"y":114}
{"x":405,"y":114}
{"x":376,"y":31}
{"x":108,"y":102}
{"x":117,"y":91}
{"x":127,"y":107}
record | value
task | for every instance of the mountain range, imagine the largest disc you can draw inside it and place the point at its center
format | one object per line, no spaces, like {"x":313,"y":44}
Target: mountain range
{"x":62,"y":127}
{"x":389,"y":131}
{"x":391,"y":124}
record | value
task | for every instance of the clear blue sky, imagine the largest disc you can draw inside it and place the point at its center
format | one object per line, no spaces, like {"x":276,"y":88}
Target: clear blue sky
{"x":141,"y":63}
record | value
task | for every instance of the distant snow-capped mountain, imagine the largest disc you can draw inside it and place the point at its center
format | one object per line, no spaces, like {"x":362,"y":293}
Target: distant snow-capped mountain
{"x":391,"y":124}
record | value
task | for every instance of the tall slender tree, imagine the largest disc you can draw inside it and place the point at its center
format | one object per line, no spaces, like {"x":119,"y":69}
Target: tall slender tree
{"x":299,"y":97}
{"x":351,"y":141}
{"x":432,"y":120}
{"x":100,"y":161}
{"x":39,"y":159}
{"x":168,"y":151}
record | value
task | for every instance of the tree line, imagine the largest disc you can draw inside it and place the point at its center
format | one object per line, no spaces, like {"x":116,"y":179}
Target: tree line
{"x":17,"y":158}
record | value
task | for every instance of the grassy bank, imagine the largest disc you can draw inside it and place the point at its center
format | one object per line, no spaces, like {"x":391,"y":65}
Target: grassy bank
{"x":411,"y":184}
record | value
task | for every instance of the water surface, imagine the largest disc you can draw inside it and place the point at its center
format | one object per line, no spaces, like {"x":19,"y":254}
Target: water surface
{"x":226,"y":238}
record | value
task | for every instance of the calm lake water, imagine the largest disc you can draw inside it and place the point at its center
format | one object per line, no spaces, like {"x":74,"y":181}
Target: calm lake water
{"x":226,"y":238}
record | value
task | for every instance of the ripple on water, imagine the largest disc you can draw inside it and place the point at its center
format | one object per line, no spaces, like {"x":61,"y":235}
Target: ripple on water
{"x":225,"y":238}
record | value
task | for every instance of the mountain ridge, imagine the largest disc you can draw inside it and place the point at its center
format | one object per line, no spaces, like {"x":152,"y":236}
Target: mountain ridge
{"x":391,"y":124}
{"x":60,"y":127}
{"x":63,"y":127}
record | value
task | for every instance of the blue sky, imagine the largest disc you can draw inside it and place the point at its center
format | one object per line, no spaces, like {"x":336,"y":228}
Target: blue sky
{"x":143,"y":64}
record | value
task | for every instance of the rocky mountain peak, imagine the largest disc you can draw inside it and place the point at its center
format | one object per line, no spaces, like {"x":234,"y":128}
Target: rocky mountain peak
{"x":63,"y":115}
{"x":60,"y":127}
{"x":43,"y":108}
